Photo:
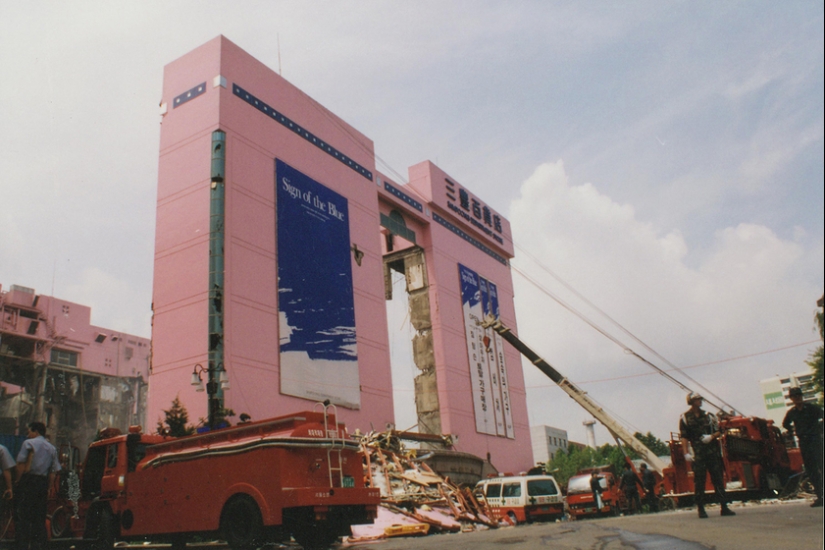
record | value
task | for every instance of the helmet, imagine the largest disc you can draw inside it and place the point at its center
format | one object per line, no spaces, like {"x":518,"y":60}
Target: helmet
{"x":692,"y":396}
{"x":795,"y":391}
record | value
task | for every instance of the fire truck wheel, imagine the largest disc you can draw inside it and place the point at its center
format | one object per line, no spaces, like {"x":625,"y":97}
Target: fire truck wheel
{"x":320,"y":537}
{"x":59,"y":521}
{"x":241,"y":524}
{"x":513,"y":518}
{"x":103,"y":532}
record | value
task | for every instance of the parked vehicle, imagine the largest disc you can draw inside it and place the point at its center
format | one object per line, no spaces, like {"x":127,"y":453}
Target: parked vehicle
{"x":250,"y":484}
{"x":580,"y":501}
{"x":757,"y":462}
{"x":523,"y":499}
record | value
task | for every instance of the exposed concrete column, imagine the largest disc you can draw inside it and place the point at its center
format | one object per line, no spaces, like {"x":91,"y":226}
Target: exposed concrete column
{"x":426,"y":386}
{"x":414,"y":266}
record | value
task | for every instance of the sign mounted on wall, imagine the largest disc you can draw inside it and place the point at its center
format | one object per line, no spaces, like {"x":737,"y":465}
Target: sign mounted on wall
{"x":318,"y":354}
{"x":488,"y":372}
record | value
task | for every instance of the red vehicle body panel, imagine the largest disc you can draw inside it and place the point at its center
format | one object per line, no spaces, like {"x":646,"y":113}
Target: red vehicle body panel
{"x":755,"y":457}
{"x":581,"y":504}
{"x":159,"y":486}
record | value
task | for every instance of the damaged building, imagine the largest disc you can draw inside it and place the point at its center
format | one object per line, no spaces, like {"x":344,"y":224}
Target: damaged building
{"x":58,"y":368}
{"x":276,"y":241}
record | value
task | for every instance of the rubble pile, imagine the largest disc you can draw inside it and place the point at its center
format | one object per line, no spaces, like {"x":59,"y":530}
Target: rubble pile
{"x":415,"y":500}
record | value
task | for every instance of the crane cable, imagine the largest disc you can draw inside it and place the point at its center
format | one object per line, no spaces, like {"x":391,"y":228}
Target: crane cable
{"x":346,"y":130}
{"x":613,"y":339}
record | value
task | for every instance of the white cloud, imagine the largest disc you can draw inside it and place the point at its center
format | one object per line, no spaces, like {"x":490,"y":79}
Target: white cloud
{"x":115,"y":303}
{"x":745,"y":297}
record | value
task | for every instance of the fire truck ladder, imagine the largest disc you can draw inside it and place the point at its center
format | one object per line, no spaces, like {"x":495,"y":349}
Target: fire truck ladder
{"x":335,"y":447}
{"x":579,"y":396}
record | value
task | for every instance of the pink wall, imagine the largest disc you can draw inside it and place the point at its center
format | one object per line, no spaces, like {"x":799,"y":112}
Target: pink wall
{"x":251,"y":316}
{"x":182,"y":247}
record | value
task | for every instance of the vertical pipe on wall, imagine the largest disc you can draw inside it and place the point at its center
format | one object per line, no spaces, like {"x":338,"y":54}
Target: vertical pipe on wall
{"x":216,"y":276}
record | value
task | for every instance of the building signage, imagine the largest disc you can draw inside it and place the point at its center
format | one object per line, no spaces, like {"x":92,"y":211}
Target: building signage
{"x":473,"y":211}
{"x":774,"y":400}
{"x":318,"y":355}
{"x":488,"y":373}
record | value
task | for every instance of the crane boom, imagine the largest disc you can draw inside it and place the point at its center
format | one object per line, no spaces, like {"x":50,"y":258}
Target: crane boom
{"x":576,"y":394}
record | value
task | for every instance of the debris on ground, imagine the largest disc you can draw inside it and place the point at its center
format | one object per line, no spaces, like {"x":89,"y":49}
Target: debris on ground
{"x":415,"y":500}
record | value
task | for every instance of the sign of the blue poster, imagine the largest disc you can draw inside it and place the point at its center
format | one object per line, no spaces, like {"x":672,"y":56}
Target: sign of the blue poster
{"x":318,"y":356}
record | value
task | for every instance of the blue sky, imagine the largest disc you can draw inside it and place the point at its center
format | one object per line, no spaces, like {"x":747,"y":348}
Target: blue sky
{"x":663,"y":158}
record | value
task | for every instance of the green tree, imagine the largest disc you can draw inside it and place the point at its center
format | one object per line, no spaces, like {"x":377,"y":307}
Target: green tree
{"x":815,"y":359}
{"x":176,"y":421}
{"x":565,"y":465}
{"x":659,"y":447}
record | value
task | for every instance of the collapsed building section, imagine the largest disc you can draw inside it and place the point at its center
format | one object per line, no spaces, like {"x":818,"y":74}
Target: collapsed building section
{"x":58,"y":368}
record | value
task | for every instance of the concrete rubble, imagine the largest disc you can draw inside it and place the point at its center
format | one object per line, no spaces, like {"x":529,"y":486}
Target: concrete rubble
{"x":415,"y":500}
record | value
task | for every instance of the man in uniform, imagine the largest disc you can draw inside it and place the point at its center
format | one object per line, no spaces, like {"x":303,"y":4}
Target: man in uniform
{"x":37,"y":464}
{"x":806,"y":420}
{"x":596,"y":489}
{"x":631,"y":492}
{"x":699,"y":430}
{"x":7,"y":465}
{"x":649,"y":483}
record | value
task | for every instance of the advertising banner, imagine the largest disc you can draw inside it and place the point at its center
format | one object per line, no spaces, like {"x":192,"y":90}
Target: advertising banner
{"x":488,"y":349}
{"x":500,"y":365}
{"x":318,"y":355}
{"x":485,"y":348}
{"x":479,"y":371}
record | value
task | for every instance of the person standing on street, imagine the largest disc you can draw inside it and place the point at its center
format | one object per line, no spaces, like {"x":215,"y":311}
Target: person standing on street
{"x":699,"y":430}
{"x":7,"y":465}
{"x":649,"y":484}
{"x":631,"y":492}
{"x":596,"y":489}
{"x":806,"y":420}
{"x":37,"y":465}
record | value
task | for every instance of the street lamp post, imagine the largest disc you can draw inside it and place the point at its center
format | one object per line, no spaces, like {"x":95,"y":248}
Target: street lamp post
{"x":215,"y":379}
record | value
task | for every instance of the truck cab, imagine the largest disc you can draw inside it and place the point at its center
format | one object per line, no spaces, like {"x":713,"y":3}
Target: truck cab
{"x":580,"y":499}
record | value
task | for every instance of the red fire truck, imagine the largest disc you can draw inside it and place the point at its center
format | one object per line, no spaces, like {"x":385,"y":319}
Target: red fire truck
{"x":580,"y":501}
{"x":259,"y":482}
{"x":757,"y":462}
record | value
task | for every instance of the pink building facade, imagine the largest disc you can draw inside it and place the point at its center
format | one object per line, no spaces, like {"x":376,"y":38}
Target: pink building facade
{"x":275,"y":239}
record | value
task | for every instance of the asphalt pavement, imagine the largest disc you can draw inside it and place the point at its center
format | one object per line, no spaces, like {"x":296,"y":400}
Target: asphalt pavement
{"x":767,"y":525}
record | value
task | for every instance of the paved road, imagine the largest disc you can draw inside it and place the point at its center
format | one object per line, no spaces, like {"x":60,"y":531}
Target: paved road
{"x":764,"y":526}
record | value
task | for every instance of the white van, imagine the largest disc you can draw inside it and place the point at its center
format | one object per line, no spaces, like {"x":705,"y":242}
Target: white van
{"x":523,"y":498}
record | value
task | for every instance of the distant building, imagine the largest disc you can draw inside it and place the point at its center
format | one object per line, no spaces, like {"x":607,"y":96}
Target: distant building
{"x":58,"y":368}
{"x":547,"y":441}
{"x":775,"y":393}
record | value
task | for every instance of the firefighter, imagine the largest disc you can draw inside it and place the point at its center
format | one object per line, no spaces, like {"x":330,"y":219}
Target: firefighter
{"x":806,"y":420}
{"x":37,"y":465}
{"x":596,"y":489}
{"x":699,"y":430}
{"x":649,"y":483}
{"x":628,"y":485}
